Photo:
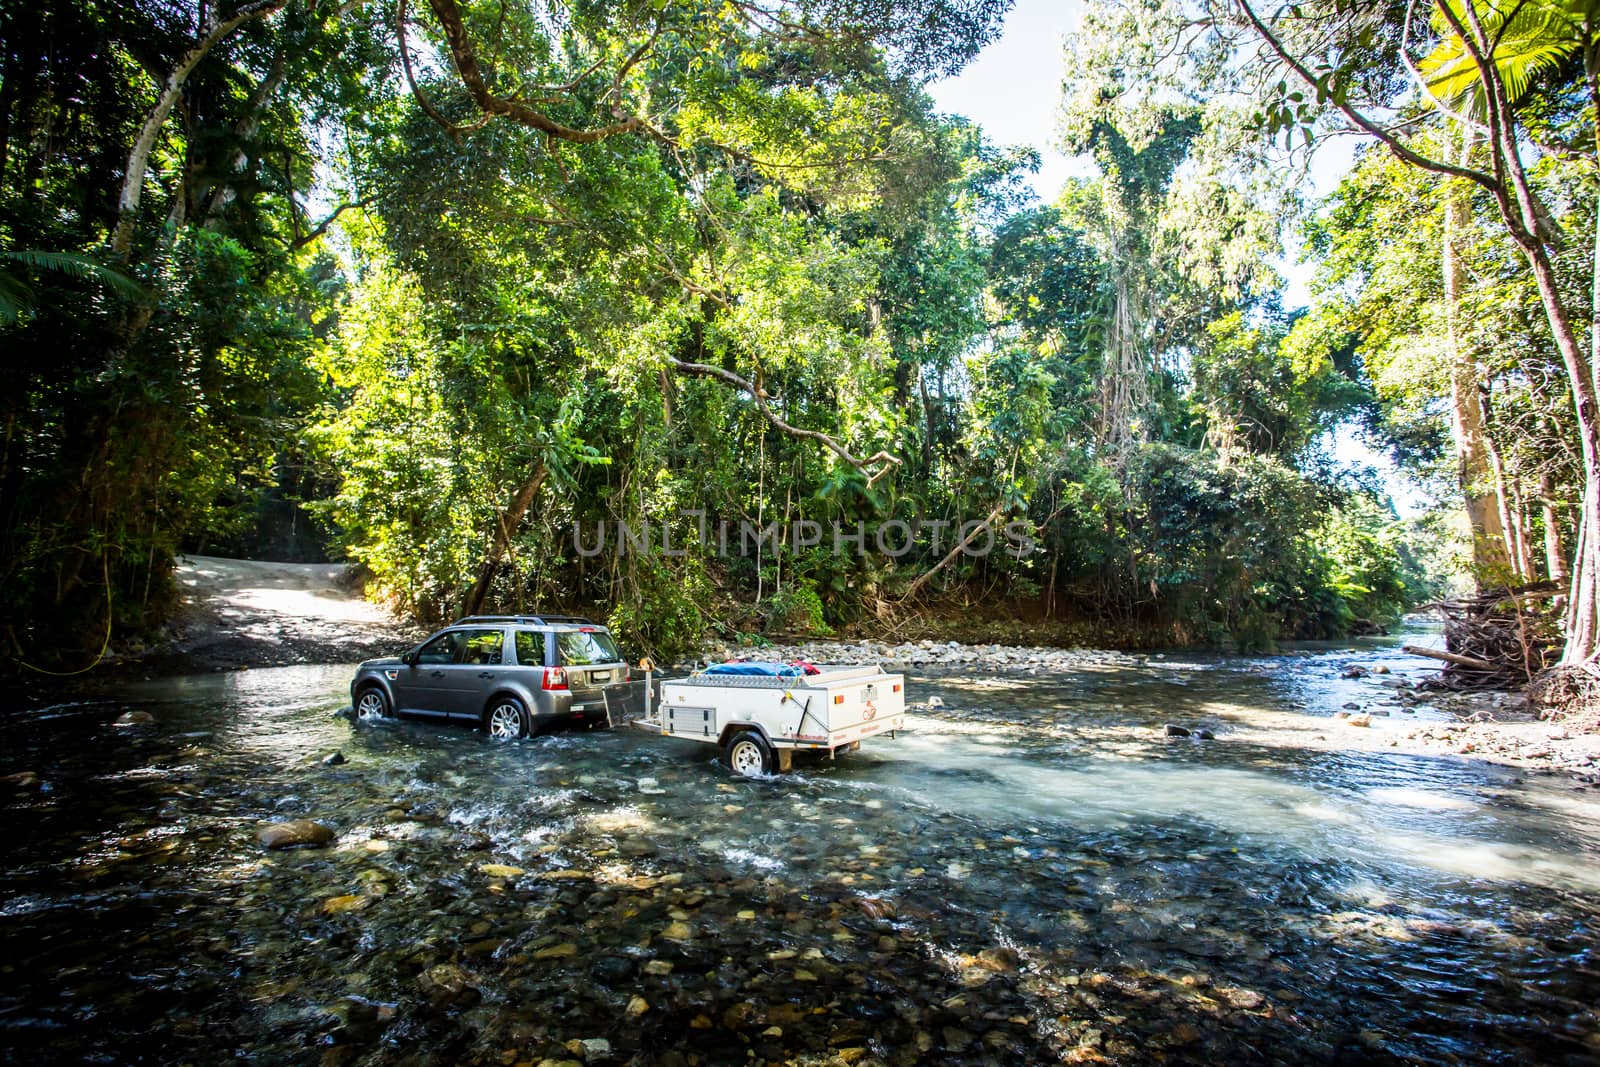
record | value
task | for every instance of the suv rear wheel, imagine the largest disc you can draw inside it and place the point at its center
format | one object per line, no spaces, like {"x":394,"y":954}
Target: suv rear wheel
{"x":506,"y":719}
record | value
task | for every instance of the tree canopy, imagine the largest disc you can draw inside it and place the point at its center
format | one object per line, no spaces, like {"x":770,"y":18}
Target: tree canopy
{"x":473,"y":293}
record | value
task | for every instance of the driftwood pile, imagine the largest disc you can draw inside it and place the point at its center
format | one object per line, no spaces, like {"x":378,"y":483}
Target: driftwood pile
{"x":1500,"y":639}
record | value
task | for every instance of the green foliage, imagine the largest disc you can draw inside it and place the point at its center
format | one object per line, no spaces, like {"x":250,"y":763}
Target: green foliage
{"x":760,"y":258}
{"x":1369,"y":561}
{"x":667,"y":616}
{"x":798,"y":609}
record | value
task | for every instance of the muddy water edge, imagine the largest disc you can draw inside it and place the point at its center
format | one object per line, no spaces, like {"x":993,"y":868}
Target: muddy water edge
{"x":1031,"y":874}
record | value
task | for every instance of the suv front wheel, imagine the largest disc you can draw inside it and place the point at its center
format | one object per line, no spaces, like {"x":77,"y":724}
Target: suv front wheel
{"x":372,"y":704}
{"x":506,"y":719}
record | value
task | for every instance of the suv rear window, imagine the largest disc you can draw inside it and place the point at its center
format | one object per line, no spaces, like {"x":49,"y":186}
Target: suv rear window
{"x":579,"y":648}
{"x":530,"y":648}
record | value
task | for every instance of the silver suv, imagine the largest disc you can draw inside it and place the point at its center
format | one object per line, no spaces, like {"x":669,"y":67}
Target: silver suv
{"x":512,"y":674}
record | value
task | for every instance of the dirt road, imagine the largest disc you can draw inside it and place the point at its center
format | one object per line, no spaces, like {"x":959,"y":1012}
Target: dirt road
{"x":248,"y":613}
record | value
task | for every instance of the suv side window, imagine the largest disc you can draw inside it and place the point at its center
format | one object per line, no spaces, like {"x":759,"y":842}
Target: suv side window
{"x":481,"y":648}
{"x":441,"y":649}
{"x":530,"y":648}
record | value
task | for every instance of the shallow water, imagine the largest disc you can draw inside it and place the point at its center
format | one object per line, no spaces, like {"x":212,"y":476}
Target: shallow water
{"x":1030,"y":874}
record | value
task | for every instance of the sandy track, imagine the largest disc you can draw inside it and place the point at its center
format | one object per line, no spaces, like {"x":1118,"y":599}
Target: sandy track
{"x":249,"y":613}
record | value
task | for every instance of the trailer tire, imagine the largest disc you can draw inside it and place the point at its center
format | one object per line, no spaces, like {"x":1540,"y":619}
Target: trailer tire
{"x":748,"y":754}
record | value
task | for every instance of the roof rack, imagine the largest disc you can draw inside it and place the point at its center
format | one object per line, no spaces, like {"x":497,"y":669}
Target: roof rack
{"x":532,"y":620}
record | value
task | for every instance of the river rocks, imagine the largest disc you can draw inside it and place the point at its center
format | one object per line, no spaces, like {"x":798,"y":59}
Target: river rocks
{"x":563,"y":951}
{"x":134,"y":718}
{"x":1243,"y":999}
{"x":447,"y":985}
{"x":333,"y":759}
{"x":500,"y":870}
{"x":1359,"y":720}
{"x":937,"y":655}
{"x":375,"y":881}
{"x":21,"y":781}
{"x":364,"y":1020}
{"x":876,"y":907}
{"x":956,"y":1039}
{"x":1002,"y":959}
{"x":341,"y":905}
{"x":1353,"y":672}
{"x":591,"y":1049}
{"x":1171,"y":730}
{"x":297,"y":833}
{"x":613,"y":970}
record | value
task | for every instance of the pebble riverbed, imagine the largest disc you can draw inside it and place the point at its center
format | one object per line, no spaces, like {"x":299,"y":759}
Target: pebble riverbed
{"x":1031,"y":873}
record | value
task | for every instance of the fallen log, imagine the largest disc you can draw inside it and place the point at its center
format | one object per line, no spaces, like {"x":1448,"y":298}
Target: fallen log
{"x":1450,"y":657}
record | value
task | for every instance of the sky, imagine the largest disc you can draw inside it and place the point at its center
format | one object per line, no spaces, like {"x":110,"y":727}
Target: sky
{"x":1013,"y":90}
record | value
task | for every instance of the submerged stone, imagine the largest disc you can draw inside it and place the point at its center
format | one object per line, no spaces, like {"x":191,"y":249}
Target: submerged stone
{"x":613,"y":970}
{"x":340,"y":905}
{"x":296,"y":833}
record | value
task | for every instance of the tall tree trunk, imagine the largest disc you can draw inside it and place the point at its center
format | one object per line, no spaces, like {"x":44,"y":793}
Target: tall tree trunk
{"x":505,"y":528}
{"x":1523,"y":539}
{"x":1555,"y":555}
{"x":1490,"y":560}
{"x":171,"y":87}
{"x":1583,"y":608}
{"x":1505,"y":507}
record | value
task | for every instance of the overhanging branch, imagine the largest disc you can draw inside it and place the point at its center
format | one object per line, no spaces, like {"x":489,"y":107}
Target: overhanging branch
{"x":465,"y":57}
{"x":884,"y":460}
{"x":1362,"y":122}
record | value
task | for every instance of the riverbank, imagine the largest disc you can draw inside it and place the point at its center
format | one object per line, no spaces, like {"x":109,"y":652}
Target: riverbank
{"x":240,"y":614}
{"x":1365,"y":696}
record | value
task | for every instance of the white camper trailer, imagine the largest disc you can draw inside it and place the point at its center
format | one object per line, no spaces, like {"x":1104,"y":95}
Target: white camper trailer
{"x":760,"y":719}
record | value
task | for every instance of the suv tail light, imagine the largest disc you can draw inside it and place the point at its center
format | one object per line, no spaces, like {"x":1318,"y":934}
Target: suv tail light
{"x":555,"y":678}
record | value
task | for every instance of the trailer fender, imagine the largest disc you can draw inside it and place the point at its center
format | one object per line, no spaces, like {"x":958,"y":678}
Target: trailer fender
{"x":739,"y":727}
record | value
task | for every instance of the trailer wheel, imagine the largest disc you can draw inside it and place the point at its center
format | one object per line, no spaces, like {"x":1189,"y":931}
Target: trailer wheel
{"x":748,"y":754}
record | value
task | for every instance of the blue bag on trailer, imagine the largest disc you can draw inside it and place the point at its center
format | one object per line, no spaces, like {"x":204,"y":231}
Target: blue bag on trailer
{"x":756,"y":668}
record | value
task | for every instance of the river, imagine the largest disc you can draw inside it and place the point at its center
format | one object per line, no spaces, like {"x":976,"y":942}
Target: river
{"x":1029,"y":874}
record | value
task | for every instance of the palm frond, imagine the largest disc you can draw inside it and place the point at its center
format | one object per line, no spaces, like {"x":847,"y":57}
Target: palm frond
{"x":1539,"y":36}
{"x":17,"y":297}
